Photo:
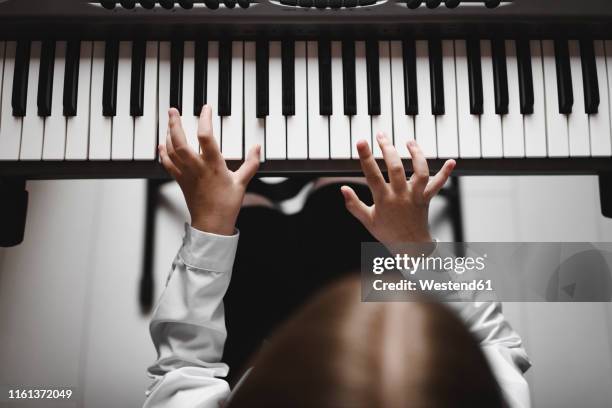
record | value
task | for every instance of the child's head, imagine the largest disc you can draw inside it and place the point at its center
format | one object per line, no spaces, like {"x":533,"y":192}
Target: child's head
{"x":340,"y":352}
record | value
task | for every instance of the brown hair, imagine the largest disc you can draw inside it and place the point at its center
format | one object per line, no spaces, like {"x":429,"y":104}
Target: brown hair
{"x":340,"y":352}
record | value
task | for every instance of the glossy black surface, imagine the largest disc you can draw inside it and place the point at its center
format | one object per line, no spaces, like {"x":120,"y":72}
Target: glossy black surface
{"x":138,"y":78}
{"x":325,"y":78}
{"x":262,"y":75}
{"x":20,"y":78}
{"x":71,"y":77}
{"x":200,"y":76}
{"x":500,"y":76}
{"x":475,"y":77}
{"x":525,"y":72}
{"x":564,"y":77}
{"x":109,"y":87}
{"x":411,"y":98}
{"x":373,"y":74}
{"x":348,"y":78}
{"x":45,"y":78}
{"x":177,"y":52}
{"x":288,"y":76}
{"x":436,"y":77}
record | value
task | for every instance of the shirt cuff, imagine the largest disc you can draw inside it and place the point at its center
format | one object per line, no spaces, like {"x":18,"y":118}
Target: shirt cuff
{"x":208,"y":251}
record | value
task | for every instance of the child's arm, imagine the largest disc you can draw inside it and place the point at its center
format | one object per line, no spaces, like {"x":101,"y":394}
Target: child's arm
{"x":400,"y":215}
{"x":188,"y":325}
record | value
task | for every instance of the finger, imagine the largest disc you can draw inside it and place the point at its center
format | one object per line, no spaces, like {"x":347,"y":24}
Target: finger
{"x":438,"y":181}
{"x":248,"y":169}
{"x":179,"y":142}
{"x":395,"y":168}
{"x":167,"y":162}
{"x":420,"y":169}
{"x":370,"y":168}
{"x":172,"y":152}
{"x":355,"y":206}
{"x":208,"y":143}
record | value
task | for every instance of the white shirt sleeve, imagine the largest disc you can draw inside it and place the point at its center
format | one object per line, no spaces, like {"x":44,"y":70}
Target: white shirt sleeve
{"x":188,"y":325}
{"x":501,"y":345}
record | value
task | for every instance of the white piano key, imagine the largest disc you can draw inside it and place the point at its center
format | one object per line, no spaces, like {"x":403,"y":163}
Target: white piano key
{"x":446,"y":125}
{"x":231,"y":126}
{"x":10,"y":126}
{"x":361,"y":123}
{"x":163,"y":90}
{"x":33,"y":125}
{"x":145,"y":133}
{"x":468,"y":124}
{"x":578,"y":120}
{"x":535,"y":124}
{"x":425,"y":121}
{"x":254,"y":127}
{"x":77,"y":127}
{"x":297,"y":125}
{"x":384,"y":121}
{"x":99,"y":125}
{"x":403,"y":125}
{"x":54,"y":144}
{"x":318,"y":125}
{"x":490,"y":122}
{"x":276,"y":133}
{"x":188,"y":119}
{"x":556,"y":123}
{"x":599,"y":123}
{"x":339,"y":123}
{"x":212,"y":87}
{"x":512,"y":122}
{"x":122,"y":141}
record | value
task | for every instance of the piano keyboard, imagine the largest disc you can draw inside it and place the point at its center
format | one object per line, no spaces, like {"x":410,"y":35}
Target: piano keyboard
{"x":307,"y":100}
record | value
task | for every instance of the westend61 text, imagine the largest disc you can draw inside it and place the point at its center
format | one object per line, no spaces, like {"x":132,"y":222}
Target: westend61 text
{"x":432,"y":285}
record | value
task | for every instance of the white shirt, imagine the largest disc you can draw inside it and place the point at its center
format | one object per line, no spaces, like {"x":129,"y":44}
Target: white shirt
{"x":188,"y":331}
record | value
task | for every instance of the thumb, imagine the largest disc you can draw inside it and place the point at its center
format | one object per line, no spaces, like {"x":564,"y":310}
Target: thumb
{"x":248,"y":169}
{"x":355,"y":206}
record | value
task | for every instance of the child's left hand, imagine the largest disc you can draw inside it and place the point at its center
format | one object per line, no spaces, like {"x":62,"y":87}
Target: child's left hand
{"x":213,"y":193}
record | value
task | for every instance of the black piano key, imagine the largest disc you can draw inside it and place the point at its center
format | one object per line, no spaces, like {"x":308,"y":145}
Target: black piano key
{"x":564,"y":77}
{"x":525,"y":73}
{"x":71,"y":77}
{"x":176,"y":75}
{"x":411,"y":98}
{"x":500,"y":76}
{"x":109,"y":87}
{"x":436,"y":76}
{"x":325,"y":80}
{"x":475,"y":77}
{"x":288,"y":68}
{"x":225,"y":78}
{"x":373,"y":77}
{"x":348,"y":78}
{"x":200,"y":76}
{"x":20,"y":78}
{"x":45,"y":78}
{"x":137,"y":78}
{"x":262,"y":60}
{"x":589,"y":77}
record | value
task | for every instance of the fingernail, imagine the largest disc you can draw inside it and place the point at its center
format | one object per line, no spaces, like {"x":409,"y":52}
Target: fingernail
{"x":380,"y":136}
{"x":411,"y":143}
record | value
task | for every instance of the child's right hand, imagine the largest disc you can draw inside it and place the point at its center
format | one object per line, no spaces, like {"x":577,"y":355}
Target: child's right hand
{"x":400,"y":211}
